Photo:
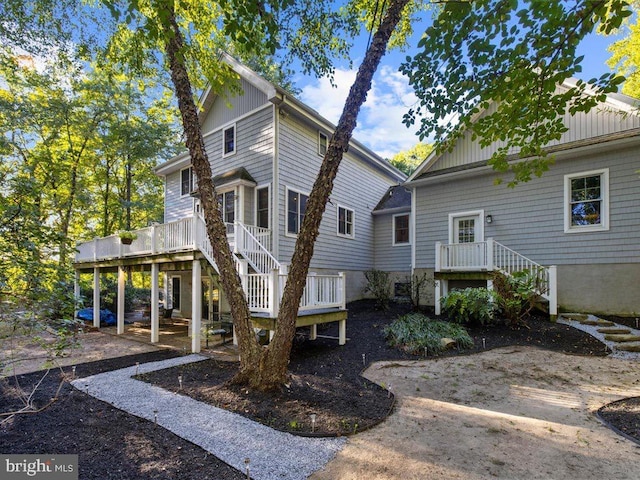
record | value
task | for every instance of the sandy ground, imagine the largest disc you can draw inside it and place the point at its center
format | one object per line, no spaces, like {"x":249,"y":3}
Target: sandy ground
{"x":512,"y":413}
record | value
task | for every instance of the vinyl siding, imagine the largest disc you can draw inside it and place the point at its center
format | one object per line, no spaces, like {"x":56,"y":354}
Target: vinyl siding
{"x":530,"y":218}
{"x":226,"y":108}
{"x":175,"y":205}
{"x":389,"y":257}
{"x":358,"y":186}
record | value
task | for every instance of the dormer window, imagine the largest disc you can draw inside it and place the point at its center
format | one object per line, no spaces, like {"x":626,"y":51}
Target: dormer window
{"x":323,"y":142}
{"x":229,"y":141}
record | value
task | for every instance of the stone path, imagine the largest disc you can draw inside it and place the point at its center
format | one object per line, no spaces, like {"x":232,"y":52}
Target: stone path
{"x":624,"y":341}
{"x":230,"y":437}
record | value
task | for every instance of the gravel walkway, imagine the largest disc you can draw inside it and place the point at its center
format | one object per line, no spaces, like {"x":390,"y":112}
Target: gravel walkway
{"x":230,"y":437}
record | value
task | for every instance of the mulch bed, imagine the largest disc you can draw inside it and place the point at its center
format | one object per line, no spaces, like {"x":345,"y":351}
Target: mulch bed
{"x":325,"y":380}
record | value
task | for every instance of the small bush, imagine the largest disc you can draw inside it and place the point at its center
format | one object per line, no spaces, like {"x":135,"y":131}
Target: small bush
{"x":378,"y":284}
{"x":471,"y":306}
{"x":516,"y":294}
{"x":415,"y":332}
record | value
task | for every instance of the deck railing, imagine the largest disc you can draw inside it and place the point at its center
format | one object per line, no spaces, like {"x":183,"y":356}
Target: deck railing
{"x":263,"y":290}
{"x":493,"y":256}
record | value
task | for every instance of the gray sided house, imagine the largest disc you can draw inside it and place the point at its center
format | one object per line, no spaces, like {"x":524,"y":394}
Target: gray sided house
{"x":265,"y":149}
{"x":577,"y":227}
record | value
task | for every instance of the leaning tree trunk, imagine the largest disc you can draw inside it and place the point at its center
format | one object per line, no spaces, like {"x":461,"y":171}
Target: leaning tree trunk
{"x":276,"y":356}
{"x":216,"y":230}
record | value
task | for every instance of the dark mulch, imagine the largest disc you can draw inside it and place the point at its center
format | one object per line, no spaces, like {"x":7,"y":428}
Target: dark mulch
{"x":624,"y":417}
{"x":325,"y":380}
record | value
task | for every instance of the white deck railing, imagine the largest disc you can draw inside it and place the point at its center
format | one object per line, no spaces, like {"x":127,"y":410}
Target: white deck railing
{"x":493,"y":256}
{"x":263,"y":290}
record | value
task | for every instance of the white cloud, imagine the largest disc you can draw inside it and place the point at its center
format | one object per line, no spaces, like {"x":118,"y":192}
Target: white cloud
{"x":380,"y":124}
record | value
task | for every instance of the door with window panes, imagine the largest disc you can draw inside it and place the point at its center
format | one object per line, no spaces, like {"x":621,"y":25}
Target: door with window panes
{"x":468,"y":236}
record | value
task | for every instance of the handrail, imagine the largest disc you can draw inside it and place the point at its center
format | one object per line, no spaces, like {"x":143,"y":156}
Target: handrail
{"x":258,"y":256}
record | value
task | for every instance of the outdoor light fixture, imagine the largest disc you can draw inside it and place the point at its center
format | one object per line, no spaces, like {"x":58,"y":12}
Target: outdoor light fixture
{"x":489,"y":218}
{"x":246,"y":462}
{"x":73,"y":371}
{"x":180,"y":381}
{"x":313,"y":422}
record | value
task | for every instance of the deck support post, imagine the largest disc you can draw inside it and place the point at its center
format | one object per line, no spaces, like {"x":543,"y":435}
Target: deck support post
{"x":155,"y":312}
{"x":314,"y":332}
{"x":96,"y":297}
{"x":553,"y":292}
{"x":76,"y":293}
{"x":342,"y":332}
{"x":121,"y":295}
{"x":196,"y":305}
{"x":442,"y":289}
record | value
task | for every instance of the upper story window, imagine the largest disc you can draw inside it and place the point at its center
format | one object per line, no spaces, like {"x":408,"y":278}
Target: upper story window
{"x":186,"y":181}
{"x":262,"y":207}
{"x":229,"y":140}
{"x":401,"y":229}
{"x":323,"y":142}
{"x":586,"y":201}
{"x":296,"y":207}
{"x":345,"y":222}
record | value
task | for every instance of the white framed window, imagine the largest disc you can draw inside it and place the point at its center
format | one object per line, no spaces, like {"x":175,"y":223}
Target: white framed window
{"x":229,"y":140}
{"x":186,"y":181}
{"x":346,"y":218}
{"x":227,"y":205}
{"x":323,"y":143}
{"x":296,"y":207}
{"x":466,"y":227}
{"x":263,"y":197}
{"x":586,"y":201}
{"x":401,"y":229}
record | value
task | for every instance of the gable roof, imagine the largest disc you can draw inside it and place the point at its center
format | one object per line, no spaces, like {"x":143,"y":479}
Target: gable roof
{"x":617,"y":118}
{"x":396,"y":199}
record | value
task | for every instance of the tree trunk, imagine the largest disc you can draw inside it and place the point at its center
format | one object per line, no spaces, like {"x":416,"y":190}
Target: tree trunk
{"x":249,"y":348}
{"x":279,"y":350}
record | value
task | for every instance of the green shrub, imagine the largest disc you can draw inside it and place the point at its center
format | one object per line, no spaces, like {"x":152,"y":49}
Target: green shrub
{"x":516,"y":294}
{"x":418,"y":334}
{"x":471,"y":306}
{"x":378,"y":284}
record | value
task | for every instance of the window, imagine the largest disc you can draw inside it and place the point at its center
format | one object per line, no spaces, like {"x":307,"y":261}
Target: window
{"x":226,"y":204}
{"x":586,"y":201}
{"x":323,"y":142}
{"x":262,"y":207}
{"x":186,"y":181}
{"x":401,"y":229}
{"x":229,"y":141}
{"x":345,"y":222}
{"x":175,"y":293}
{"x":296,"y":206}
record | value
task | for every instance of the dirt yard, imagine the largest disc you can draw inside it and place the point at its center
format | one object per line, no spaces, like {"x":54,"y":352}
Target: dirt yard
{"x":513,"y":413}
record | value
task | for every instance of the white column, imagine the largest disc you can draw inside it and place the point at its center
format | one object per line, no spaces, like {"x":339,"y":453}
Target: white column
{"x":438,"y":259}
{"x":76,"y":293}
{"x":343,"y":287}
{"x":274,"y":294}
{"x":155,"y":313}
{"x":314,"y":332}
{"x":553,"y":292}
{"x":96,"y":297}
{"x":490,"y":247}
{"x":196,"y":305}
{"x":342,"y":332}
{"x":121,"y":285}
{"x":167,"y":299}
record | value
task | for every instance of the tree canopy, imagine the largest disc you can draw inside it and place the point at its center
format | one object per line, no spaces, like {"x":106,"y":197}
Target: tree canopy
{"x":625,"y":55}
{"x":408,"y":160}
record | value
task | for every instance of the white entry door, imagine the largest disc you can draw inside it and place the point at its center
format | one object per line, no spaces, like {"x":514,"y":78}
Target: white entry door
{"x":466,"y":232}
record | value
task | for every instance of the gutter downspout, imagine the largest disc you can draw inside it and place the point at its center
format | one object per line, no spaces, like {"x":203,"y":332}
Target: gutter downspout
{"x":275,"y":191}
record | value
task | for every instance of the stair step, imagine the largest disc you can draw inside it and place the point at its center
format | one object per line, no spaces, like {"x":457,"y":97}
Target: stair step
{"x":629,"y":347}
{"x":575,"y":316}
{"x":597,"y":323}
{"x":622,"y":338}
{"x":623,"y":331}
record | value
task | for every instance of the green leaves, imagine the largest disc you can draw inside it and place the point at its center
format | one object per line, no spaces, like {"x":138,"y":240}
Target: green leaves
{"x":494,"y":71}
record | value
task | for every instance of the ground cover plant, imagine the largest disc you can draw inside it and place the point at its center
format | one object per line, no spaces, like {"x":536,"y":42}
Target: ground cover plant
{"x":113,"y":444}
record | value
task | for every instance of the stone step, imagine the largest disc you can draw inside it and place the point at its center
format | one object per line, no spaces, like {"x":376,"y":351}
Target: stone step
{"x":575,"y":316}
{"x":597,"y":323}
{"x":629,"y":347}
{"x":622,"y":338}
{"x":614,"y":330}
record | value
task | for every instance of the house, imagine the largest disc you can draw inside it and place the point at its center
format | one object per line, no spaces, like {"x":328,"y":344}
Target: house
{"x":265,"y":149}
{"x":577,"y":227}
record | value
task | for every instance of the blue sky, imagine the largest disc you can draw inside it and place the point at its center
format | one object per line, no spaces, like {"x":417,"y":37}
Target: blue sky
{"x":380,"y":121}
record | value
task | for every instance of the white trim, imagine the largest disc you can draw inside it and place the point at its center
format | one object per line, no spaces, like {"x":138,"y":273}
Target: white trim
{"x":275,"y":191}
{"x":235,"y":145}
{"x":353,"y":222}
{"x":255,"y":204}
{"x":479,"y":230}
{"x":286,"y":209}
{"x":412,"y":228}
{"x":604,"y":191}
{"x":393,"y":229}
{"x":322,"y":135}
